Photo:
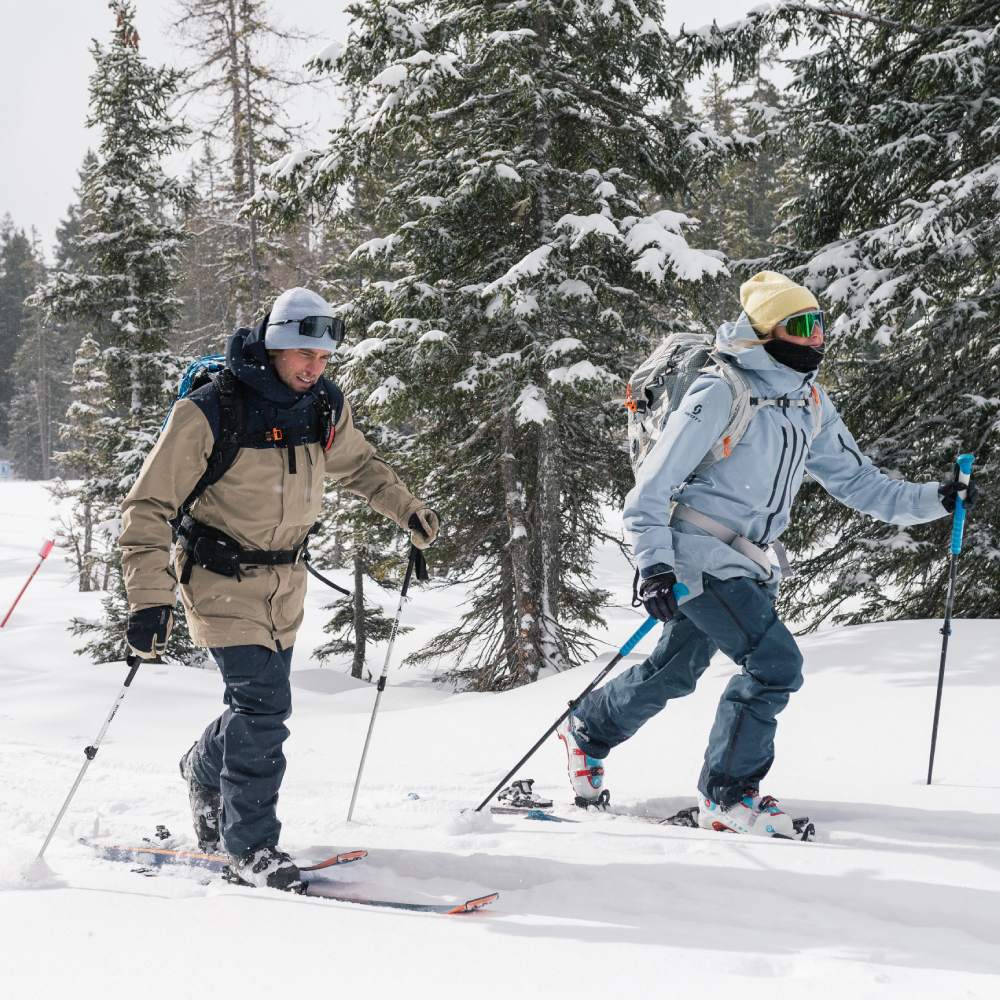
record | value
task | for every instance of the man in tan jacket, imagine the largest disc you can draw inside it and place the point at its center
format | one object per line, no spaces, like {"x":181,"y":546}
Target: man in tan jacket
{"x":242,"y":460}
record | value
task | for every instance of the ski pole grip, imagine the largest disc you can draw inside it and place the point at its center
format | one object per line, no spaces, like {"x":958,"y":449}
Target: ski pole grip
{"x":680,"y":592}
{"x":963,"y":473}
{"x":637,"y":636}
{"x":47,"y":546}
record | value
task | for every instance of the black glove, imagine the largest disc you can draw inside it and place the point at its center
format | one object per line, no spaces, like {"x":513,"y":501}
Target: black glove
{"x":424,"y":525}
{"x":148,"y":631}
{"x":948,"y":491}
{"x":657,"y":596}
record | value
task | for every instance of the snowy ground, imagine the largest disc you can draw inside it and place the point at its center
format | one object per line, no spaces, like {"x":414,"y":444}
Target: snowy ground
{"x":900,"y":895}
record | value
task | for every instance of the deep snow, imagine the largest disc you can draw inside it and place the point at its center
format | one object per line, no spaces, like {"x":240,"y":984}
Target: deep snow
{"x":900,"y":895}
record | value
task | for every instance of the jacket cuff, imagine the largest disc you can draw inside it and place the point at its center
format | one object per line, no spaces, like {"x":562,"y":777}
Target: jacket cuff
{"x":139,"y":600}
{"x":656,"y":569}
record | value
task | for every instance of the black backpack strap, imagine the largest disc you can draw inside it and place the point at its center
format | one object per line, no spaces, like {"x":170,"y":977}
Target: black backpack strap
{"x":232,"y":414}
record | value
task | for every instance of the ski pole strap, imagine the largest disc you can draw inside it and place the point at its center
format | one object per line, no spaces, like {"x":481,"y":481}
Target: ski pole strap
{"x":963,"y":473}
{"x":420,"y":564}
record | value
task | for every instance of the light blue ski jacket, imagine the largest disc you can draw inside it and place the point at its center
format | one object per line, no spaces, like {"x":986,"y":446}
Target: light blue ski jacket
{"x":752,"y":490}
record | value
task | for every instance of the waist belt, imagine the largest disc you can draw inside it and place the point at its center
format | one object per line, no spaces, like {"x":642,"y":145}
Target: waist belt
{"x":734,"y":539}
{"x":220,"y":553}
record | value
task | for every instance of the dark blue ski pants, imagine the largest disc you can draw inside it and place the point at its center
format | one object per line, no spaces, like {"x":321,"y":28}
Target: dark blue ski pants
{"x":738,"y":617}
{"x":240,"y":752}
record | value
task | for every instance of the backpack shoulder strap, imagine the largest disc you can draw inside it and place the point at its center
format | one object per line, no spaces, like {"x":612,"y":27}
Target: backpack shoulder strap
{"x":222,"y":399}
{"x":740,"y":412}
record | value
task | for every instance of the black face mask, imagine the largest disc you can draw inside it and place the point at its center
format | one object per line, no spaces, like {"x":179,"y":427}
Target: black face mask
{"x":802,"y":358}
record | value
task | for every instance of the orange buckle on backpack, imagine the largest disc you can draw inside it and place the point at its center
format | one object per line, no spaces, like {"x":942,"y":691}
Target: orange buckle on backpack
{"x":330,"y":437}
{"x":274,"y":434}
{"x":629,"y":398}
{"x":727,"y":446}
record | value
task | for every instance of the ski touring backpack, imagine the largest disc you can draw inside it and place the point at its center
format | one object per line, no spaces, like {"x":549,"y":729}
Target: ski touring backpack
{"x":658,"y":385}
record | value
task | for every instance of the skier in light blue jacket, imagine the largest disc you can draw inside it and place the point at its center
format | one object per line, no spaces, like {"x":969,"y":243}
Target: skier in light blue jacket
{"x":710,"y":529}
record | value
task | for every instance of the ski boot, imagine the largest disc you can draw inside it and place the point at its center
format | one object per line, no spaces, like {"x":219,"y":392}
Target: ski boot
{"x":267,"y":867}
{"x":754,"y":813}
{"x":206,"y":804}
{"x":586,"y":774}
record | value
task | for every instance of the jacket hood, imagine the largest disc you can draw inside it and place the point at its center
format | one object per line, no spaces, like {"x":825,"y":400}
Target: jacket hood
{"x":247,"y":358}
{"x":740,"y":343}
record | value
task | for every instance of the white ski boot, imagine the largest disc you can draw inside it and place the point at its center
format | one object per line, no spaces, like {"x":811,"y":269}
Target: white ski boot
{"x":586,"y":774}
{"x":756,"y":814}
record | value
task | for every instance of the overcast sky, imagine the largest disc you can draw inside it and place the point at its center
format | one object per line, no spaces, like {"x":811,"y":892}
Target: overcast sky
{"x":46,"y":64}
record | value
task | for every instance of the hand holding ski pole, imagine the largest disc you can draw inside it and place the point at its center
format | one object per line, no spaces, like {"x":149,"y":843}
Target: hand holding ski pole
{"x":957,"y":496}
{"x":47,"y":547}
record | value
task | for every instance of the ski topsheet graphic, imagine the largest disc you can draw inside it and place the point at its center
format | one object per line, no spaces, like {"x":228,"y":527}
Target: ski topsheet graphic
{"x":148,"y":858}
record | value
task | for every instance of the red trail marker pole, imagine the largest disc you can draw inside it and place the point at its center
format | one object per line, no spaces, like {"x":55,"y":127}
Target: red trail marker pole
{"x":47,"y":547}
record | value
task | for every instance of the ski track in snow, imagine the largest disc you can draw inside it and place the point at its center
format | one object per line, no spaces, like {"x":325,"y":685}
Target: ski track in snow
{"x":899,"y":896}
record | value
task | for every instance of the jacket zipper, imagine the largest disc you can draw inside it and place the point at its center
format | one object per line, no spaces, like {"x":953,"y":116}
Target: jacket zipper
{"x":781,"y":462}
{"x":788,"y":478}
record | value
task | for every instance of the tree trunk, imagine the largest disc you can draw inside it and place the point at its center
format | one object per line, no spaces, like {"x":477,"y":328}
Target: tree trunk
{"x":360,"y":635}
{"x":507,"y":610}
{"x":526,"y":652}
{"x":250,"y":124}
{"x":236,"y":140}
{"x":549,"y":544}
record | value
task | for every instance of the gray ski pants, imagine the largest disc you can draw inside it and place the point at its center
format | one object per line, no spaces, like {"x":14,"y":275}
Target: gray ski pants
{"x":738,"y":617}
{"x":240,"y":752}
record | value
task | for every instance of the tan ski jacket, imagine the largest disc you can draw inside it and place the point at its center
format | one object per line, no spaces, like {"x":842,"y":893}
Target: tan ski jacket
{"x":265,"y":501}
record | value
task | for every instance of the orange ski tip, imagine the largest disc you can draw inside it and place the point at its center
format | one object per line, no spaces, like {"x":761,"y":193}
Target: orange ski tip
{"x":337,"y":859}
{"x":475,"y":904}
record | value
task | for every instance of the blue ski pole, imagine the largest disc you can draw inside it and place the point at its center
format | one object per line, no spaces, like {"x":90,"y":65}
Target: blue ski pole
{"x":679,"y":591}
{"x":963,"y":473}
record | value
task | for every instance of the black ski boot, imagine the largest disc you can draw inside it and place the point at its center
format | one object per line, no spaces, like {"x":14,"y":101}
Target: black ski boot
{"x":206,"y":804}
{"x":266,"y":867}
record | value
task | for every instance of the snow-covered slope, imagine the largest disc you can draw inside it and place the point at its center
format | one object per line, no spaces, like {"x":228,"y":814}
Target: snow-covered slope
{"x":899,"y":896}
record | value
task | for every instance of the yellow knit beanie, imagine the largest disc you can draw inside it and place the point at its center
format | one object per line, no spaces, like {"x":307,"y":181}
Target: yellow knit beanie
{"x":768,"y":298}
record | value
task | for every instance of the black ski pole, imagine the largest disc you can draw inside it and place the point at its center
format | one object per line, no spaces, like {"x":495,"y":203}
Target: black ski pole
{"x":90,"y":752}
{"x":963,"y":473}
{"x":633,"y":640}
{"x":418,"y":564}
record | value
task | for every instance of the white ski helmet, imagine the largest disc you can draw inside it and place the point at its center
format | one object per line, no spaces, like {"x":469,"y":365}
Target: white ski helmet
{"x":301,"y":318}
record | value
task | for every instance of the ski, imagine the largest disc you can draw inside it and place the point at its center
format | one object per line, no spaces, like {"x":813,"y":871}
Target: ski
{"x":329,"y":889}
{"x":805,"y":829}
{"x":151,"y":857}
{"x":148,"y":858}
{"x":531,"y":812}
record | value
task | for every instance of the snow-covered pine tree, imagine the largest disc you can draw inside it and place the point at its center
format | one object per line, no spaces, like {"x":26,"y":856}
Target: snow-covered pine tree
{"x":19,"y":273}
{"x":235,"y":45}
{"x":525,"y":275}
{"x":895,"y":110}
{"x":207,"y":301}
{"x":87,"y":440}
{"x":126,"y":294}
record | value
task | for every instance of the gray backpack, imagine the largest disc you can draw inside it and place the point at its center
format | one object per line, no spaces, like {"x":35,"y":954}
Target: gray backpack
{"x":658,"y":385}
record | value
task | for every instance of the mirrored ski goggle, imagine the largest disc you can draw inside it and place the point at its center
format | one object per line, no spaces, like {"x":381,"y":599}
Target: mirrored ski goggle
{"x":317,"y":327}
{"x":804,"y":324}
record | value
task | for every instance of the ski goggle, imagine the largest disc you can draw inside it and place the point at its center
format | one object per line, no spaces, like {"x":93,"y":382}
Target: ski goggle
{"x":804,"y":324}
{"x":317,"y":327}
